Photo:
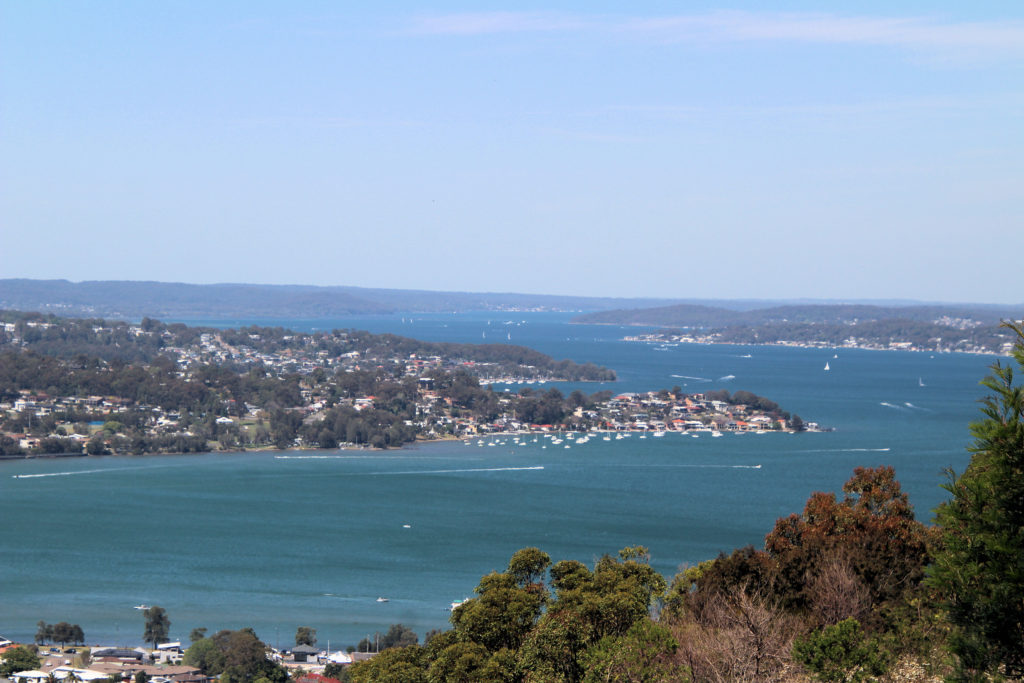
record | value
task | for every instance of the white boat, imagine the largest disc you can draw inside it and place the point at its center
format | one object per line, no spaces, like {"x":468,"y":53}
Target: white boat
{"x":659,"y":433}
{"x":716,"y":433}
{"x":826,"y":365}
{"x":141,"y":606}
{"x":382,"y":599}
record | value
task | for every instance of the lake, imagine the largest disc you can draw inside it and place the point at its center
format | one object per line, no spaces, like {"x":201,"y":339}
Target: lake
{"x":313,"y":538}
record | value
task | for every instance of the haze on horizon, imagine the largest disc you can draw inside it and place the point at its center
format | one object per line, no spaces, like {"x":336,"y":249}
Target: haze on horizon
{"x":872,"y":151}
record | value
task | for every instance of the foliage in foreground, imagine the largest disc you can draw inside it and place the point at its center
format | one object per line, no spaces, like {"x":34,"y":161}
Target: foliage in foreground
{"x":978,"y":569}
{"x":16,"y":659}
{"x":838,"y":589}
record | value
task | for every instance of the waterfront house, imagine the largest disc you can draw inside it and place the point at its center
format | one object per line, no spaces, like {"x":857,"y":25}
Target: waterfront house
{"x":301,"y":653}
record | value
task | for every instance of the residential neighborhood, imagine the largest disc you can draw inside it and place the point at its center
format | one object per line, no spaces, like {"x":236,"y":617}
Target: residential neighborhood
{"x":93,"y":388}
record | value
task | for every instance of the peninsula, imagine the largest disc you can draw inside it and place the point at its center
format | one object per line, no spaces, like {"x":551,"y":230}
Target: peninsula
{"x":73,"y":386}
{"x":935,"y":328}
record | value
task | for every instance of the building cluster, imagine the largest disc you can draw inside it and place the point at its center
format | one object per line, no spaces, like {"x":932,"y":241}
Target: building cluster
{"x":656,"y":412}
{"x":932,"y":344}
{"x":162,"y":664}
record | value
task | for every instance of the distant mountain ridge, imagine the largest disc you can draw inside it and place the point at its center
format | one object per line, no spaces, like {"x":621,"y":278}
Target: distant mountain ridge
{"x":133,"y":300}
{"x":169,"y":300}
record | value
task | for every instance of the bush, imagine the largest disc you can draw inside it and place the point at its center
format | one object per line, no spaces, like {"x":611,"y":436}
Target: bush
{"x":841,"y":653}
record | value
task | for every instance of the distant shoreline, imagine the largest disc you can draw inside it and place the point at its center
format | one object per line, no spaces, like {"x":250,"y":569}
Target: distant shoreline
{"x":412,"y":444}
{"x":823,"y":345}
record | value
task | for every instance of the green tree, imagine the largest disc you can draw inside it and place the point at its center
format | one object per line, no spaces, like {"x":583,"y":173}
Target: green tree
{"x":64,"y":633}
{"x":44,"y":633}
{"x":338,"y":672}
{"x":245,"y":658}
{"x":157,"y":626}
{"x":235,"y":656}
{"x":398,"y":636}
{"x":977,"y":567}
{"x":397,"y":665}
{"x":17,"y":659}
{"x":197,"y":634}
{"x":589,"y":606}
{"x":841,"y":652}
{"x":501,"y":615}
{"x":644,"y":653}
{"x":206,"y":656}
{"x":528,"y":566}
{"x":305,"y":635}
{"x":141,"y":677}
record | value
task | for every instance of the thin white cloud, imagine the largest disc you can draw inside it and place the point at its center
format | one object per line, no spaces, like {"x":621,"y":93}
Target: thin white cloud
{"x":484,"y":23}
{"x":741,"y":26}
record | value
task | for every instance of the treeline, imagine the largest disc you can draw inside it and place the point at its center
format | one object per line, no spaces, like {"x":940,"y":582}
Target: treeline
{"x":61,"y":632}
{"x":112,"y":340}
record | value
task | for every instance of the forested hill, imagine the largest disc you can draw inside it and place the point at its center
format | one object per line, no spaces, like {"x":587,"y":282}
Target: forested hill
{"x":706,"y":317}
{"x":71,"y":338}
{"x":169,"y":300}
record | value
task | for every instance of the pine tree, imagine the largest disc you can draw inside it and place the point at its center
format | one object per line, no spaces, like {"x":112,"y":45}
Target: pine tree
{"x":979,"y":565}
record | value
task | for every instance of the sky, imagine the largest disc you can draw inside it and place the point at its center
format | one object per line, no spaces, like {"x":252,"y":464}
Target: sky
{"x":871,"y":150}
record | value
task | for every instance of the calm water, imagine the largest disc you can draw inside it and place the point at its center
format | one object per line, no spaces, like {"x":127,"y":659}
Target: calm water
{"x":275,"y":541}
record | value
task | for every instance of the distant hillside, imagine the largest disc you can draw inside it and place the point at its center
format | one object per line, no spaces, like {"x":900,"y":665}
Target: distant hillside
{"x":170,"y":300}
{"x":709,"y":317}
{"x":129,"y":300}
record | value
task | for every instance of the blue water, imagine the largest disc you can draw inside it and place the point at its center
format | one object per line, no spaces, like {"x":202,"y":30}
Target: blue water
{"x":275,"y":541}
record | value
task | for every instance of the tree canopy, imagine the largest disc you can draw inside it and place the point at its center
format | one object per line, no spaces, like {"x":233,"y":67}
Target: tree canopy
{"x":235,"y":656}
{"x":979,"y":564}
{"x":157,"y":627}
{"x":17,"y":659}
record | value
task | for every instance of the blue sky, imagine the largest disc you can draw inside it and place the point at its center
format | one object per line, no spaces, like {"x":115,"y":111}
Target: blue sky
{"x":768,"y":150}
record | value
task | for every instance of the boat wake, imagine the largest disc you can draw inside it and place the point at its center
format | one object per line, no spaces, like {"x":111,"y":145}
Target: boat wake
{"x":913,"y":407}
{"x":891,"y":405}
{"x":695,"y":467}
{"x":727,"y":378}
{"x":68,"y":474}
{"x":368,"y":456}
{"x":698,"y":379}
{"x":846,"y":450}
